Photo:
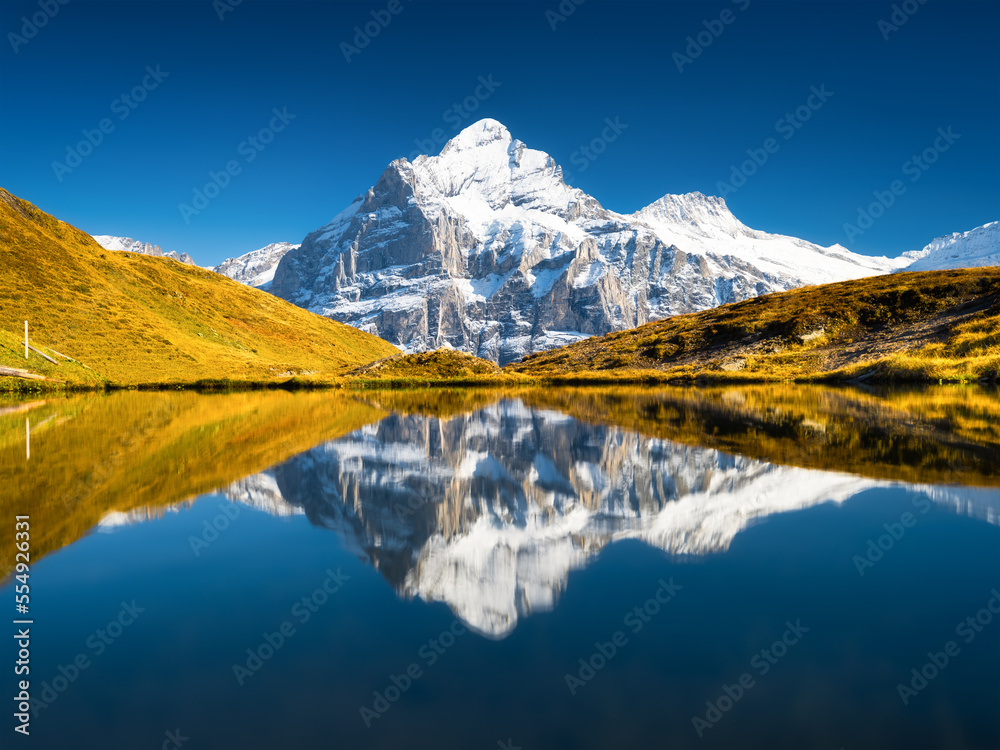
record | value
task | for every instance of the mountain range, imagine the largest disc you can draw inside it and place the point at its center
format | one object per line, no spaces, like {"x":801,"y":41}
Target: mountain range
{"x":128,"y":245}
{"x":484,"y":248}
{"x":257,"y":267}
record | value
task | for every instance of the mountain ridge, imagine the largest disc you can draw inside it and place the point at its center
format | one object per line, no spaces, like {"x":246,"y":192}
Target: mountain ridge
{"x":485,"y":249}
{"x":129,"y":245}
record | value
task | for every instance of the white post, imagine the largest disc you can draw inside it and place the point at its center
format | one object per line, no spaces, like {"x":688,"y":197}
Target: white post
{"x":25,"y":339}
{"x":27,"y":438}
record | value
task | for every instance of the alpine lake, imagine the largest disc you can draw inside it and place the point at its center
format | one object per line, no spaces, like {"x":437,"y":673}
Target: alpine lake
{"x":769,"y":566}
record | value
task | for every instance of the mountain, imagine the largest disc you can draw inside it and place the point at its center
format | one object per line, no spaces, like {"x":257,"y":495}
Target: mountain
{"x":490,"y":511}
{"x":975,"y":248}
{"x":484,"y":248}
{"x":128,"y":245}
{"x":131,"y":319}
{"x":257,"y":267}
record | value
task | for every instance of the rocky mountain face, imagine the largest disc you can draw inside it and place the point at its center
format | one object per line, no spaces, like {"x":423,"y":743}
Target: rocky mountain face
{"x":257,"y":267}
{"x":484,"y":248}
{"x":490,"y":511}
{"x":975,"y":248}
{"x":128,"y":245}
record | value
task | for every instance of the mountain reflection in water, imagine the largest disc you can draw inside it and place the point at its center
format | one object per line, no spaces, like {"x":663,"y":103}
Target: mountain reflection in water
{"x":489,"y":511}
{"x":487,"y":500}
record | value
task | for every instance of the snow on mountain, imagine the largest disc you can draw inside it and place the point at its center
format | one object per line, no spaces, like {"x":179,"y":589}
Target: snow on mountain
{"x":257,"y":267}
{"x":975,"y":248}
{"x":705,"y":226}
{"x":484,"y":248}
{"x":128,"y":245}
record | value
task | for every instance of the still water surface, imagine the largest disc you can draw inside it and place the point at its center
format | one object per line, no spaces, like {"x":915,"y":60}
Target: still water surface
{"x":740,"y":567}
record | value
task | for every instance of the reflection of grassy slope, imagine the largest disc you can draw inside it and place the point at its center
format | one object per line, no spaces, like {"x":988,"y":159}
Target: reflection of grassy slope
{"x":941,"y":435}
{"x":92,"y":455}
{"x":906,"y":326}
{"x":137,"y":319}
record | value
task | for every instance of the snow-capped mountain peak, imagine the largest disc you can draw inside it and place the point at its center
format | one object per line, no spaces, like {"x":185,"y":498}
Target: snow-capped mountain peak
{"x":257,"y":267}
{"x":977,"y":247}
{"x":485,"y":132}
{"x":689,"y":208}
{"x":129,"y":245}
{"x":483,"y":170}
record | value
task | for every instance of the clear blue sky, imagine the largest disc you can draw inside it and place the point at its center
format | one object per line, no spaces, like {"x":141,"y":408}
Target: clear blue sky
{"x":685,"y":129}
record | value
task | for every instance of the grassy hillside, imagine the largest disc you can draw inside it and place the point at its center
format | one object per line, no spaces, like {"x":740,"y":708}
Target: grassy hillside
{"x":908,"y":326}
{"x":429,"y":368}
{"x":133,"y":319}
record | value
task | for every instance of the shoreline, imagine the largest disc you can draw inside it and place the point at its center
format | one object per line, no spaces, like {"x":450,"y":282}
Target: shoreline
{"x":10,"y":385}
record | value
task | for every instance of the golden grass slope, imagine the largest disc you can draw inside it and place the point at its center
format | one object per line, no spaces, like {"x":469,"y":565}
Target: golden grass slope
{"x":907,"y":326}
{"x":135,"y":319}
{"x":429,"y":368}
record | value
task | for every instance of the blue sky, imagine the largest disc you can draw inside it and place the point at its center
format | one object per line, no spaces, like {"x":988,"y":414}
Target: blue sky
{"x":208,"y":84}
